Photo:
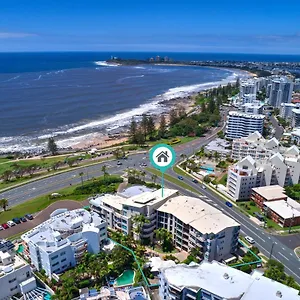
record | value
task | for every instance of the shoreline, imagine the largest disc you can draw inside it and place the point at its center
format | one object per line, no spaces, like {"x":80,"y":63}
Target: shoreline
{"x":99,"y":140}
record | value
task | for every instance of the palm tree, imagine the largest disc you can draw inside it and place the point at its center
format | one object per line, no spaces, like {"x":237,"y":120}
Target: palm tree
{"x":165,"y":238}
{"x":143,"y":174}
{"x":139,"y":221}
{"x":183,"y":156}
{"x":103,"y":169}
{"x":4,"y":203}
{"x":154,"y":178}
{"x":81,"y":176}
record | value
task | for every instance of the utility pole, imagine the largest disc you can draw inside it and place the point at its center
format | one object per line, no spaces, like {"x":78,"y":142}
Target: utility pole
{"x":291,"y":223}
{"x":271,"y":250}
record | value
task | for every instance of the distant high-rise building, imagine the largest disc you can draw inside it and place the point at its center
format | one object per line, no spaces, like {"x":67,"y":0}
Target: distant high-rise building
{"x":157,"y":58}
{"x":281,"y":91}
{"x":248,"y":87}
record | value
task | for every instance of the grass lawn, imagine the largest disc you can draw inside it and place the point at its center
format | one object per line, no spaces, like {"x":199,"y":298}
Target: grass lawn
{"x":159,"y":250}
{"x":38,"y":204}
{"x":223,"y":180}
{"x":183,"y":140}
{"x":180,"y":172}
{"x":174,"y":180}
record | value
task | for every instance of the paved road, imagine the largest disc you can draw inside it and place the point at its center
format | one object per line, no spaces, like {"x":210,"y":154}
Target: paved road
{"x":278,"y":128}
{"x":264,"y":241}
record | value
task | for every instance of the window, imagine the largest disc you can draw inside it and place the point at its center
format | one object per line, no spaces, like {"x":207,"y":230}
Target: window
{"x":62,"y":253}
{"x":55,"y":264}
{"x":63,"y":260}
{"x":54,"y":257}
{"x":12,"y":280}
{"x":27,"y":274}
{"x":14,"y":288}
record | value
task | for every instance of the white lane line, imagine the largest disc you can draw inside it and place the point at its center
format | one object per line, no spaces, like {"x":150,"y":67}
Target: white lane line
{"x":291,"y":254}
{"x":283,"y":255}
{"x":276,"y":243}
{"x":283,"y":248}
{"x":269,"y":238}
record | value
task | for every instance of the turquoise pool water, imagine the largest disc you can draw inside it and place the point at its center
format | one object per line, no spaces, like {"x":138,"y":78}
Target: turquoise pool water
{"x":47,"y":297}
{"x":20,"y":249}
{"x":126,"y":278}
{"x":210,"y":169}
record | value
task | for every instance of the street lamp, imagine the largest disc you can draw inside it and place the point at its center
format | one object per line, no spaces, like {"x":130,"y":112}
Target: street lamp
{"x":271,"y":250}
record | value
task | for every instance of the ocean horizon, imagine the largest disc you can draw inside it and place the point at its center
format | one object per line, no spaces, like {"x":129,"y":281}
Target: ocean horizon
{"x":71,"y":96}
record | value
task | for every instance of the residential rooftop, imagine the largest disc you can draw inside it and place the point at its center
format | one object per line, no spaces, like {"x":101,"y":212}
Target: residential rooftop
{"x":286,"y":209}
{"x":53,"y":233}
{"x":198,"y":214}
{"x":10,"y":262}
{"x":227,"y":282}
{"x":271,"y":192}
{"x":246,"y":115}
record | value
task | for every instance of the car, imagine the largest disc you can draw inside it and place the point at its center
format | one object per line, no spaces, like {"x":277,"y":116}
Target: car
{"x":203,"y":186}
{"x":1,"y":228}
{"x":229,"y":204}
{"x":23,"y":219}
{"x":5,"y":226}
{"x":180,"y":177}
{"x":29,"y":217}
{"x":249,"y":239}
{"x":119,"y":163}
{"x":11,"y":223}
{"x":195,"y":180}
{"x":16,"y":220}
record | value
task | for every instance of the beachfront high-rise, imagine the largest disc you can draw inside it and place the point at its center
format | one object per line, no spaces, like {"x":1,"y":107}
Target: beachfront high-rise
{"x":242,"y":124}
{"x":60,"y":242}
{"x":281,"y":91}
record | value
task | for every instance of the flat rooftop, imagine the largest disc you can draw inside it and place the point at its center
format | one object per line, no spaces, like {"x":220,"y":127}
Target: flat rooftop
{"x":198,"y":214}
{"x":271,"y":192}
{"x":285,"y":209}
{"x":227,"y":282}
{"x":16,"y":263}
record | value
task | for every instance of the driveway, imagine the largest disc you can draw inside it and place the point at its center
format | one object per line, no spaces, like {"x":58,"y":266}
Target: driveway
{"x":41,"y":217}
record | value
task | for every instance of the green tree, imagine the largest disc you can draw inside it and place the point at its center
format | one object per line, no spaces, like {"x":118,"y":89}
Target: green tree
{"x":4,"y":203}
{"x":104,"y":170}
{"x":144,"y":125}
{"x":154,"y":178}
{"x":52,"y":147}
{"x":165,"y":239}
{"x":133,"y":130}
{"x":7,"y":175}
{"x":206,"y":179}
{"x":211,"y":105}
{"x":150,"y":126}
{"x":81,"y":177}
{"x":203,"y":106}
{"x":139,"y":221}
{"x":173,"y":117}
{"x":162,"y":127}
{"x":140,"y":137}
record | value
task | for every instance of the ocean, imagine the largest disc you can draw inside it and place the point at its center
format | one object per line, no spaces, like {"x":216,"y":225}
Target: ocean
{"x":72,"y":95}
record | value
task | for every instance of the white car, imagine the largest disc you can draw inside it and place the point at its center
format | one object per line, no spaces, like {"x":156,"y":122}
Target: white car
{"x":1,"y":228}
{"x":249,"y":239}
{"x":10,"y":223}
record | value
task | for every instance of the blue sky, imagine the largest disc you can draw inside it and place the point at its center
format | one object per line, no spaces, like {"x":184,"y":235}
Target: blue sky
{"x":129,"y":25}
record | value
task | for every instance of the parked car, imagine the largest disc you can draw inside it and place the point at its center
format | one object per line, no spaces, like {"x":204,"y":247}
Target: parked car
{"x":5,"y":226}
{"x":23,"y":219}
{"x":180,"y":177}
{"x":249,"y":239}
{"x":203,"y":186}
{"x":11,"y":223}
{"x":16,"y":220}
{"x":229,"y":204}
{"x":29,"y":217}
{"x":119,"y":163}
{"x":1,"y":228}
{"x":195,"y":180}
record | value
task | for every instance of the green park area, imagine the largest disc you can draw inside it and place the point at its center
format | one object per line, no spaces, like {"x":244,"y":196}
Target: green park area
{"x":80,"y":192}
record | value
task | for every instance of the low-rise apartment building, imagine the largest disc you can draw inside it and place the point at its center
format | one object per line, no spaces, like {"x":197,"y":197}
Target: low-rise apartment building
{"x":216,"y":281}
{"x":254,"y":145}
{"x":119,"y":211}
{"x":60,"y":242}
{"x":241,"y":124}
{"x":194,"y":223}
{"x":15,"y":274}
{"x":280,"y":169}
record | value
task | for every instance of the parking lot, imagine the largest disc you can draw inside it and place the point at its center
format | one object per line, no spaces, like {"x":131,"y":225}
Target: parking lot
{"x":41,"y":217}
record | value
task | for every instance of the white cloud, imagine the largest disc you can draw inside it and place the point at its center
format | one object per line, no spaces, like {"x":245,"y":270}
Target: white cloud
{"x":13,"y":35}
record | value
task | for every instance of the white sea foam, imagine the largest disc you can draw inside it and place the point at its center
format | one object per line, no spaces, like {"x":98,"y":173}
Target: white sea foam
{"x":129,"y":77}
{"x":106,"y":64}
{"x":13,"y":78}
{"x":40,"y":76}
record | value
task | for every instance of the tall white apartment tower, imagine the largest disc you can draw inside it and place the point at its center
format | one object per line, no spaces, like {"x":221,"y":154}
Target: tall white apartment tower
{"x":281,"y":91}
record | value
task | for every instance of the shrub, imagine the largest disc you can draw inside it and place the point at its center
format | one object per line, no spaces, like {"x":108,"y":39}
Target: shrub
{"x":84,"y":283}
{"x":252,"y":203}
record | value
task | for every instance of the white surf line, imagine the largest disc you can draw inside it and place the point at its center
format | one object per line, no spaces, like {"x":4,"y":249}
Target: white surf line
{"x":283,"y":255}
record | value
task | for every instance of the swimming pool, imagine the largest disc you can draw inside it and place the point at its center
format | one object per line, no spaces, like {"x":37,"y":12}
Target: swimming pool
{"x":20,"y":249}
{"x":206,"y":168}
{"x":126,"y":278}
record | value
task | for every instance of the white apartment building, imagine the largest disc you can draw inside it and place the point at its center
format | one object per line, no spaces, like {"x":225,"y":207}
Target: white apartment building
{"x":296,"y":117}
{"x":279,"y":169}
{"x":15,"y":274}
{"x":60,"y":242}
{"x":216,"y":281}
{"x":281,"y":91}
{"x":295,"y":136}
{"x":255,"y":108}
{"x":248,"y":87}
{"x":248,"y":98}
{"x":119,"y":211}
{"x":194,"y":223}
{"x":286,"y":110}
{"x":254,"y":145}
{"x":241,"y":124}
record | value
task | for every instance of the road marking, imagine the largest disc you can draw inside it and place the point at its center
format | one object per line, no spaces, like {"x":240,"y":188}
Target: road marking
{"x":269,"y":238}
{"x":276,"y":243}
{"x":283,"y":248}
{"x":215,"y":204}
{"x":283,"y":255}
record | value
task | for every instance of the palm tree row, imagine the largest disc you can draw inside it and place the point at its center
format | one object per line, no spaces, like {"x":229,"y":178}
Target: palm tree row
{"x":3,"y":203}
